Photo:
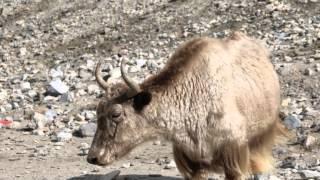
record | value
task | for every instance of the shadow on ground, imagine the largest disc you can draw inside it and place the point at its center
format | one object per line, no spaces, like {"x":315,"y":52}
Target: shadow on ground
{"x":114,"y":175}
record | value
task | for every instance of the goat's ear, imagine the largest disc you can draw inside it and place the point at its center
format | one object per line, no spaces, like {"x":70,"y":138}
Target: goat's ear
{"x":141,"y":100}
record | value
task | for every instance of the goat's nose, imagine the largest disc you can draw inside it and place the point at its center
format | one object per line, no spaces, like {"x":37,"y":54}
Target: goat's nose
{"x":92,"y":160}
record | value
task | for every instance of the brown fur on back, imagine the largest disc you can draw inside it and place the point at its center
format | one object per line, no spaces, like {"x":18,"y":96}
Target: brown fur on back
{"x":179,"y":62}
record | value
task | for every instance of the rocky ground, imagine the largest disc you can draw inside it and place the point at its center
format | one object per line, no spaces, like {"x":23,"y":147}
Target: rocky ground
{"x":48,"y":50}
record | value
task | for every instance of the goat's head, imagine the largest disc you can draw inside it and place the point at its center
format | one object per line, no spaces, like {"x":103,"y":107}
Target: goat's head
{"x":120,"y":124}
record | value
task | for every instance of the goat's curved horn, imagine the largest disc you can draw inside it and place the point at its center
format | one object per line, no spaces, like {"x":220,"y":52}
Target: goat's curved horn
{"x":102,"y":83}
{"x":135,"y":88}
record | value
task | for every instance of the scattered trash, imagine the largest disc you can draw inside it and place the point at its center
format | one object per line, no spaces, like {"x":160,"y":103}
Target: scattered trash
{"x":5,"y":123}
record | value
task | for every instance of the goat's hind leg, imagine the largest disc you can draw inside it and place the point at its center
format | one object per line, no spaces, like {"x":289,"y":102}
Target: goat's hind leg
{"x":235,"y":160}
{"x":261,"y":160}
{"x":189,"y":170}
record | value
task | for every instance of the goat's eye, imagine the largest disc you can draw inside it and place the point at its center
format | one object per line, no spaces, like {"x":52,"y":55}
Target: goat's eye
{"x":116,"y":114}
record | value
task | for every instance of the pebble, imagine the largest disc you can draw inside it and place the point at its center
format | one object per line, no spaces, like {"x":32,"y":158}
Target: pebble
{"x":63,"y":136}
{"x":310,"y":60}
{"x":115,"y":73}
{"x":285,"y":102}
{"x":84,"y":146}
{"x":50,"y":99}
{"x":170,"y":165}
{"x":133,"y":69}
{"x":79,"y":117}
{"x":50,"y":115}
{"x":14,"y":159}
{"x":67,"y":97}
{"x":32,"y":94}
{"x":287,"y":58}
{"x":56,"y":73}
{"x":22,"y":152}
{"x":126,"y":165}
{"x":265,"y":177}
{"x":317,"y":56}
{"x":140,"y":62}
{"x":317,"y":67}
{"x":85,"y":74}
{"x":309,"y":141}
{"x":25,"y":86}
{"x":152,"y":65}
{"x":40,"y":120}
{"x":38,"y":132}
{"x":96,"y":170}
{"x":289,"y":162}
{"x":292,"y":122}
{"x":58,"y":144}
{"x":90,"y":63}
{"x":42,"y":152}
{"x":23,"y":52}
{"x":3,"y":94}
{"x":317,"y":168}
{"x":57,"y":87}
{"x":87,"y":130}
{"x":156,"y":142}
{"x":160,"y":161}
{"x":15,"y":125}
{"x":308,"y":72}
{"x":93,"y":89}
{"x":89,"y":115}
{"x":308,"y":174}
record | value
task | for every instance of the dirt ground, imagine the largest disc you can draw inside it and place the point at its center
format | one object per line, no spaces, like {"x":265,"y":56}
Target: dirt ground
{"x":17,"y":161}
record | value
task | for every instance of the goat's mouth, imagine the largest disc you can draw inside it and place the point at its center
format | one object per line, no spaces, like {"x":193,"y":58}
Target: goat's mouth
{"x":107,"y":159}
{"x":101,"y":161}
